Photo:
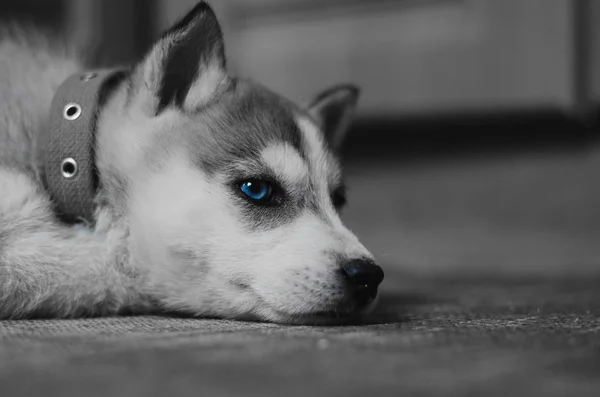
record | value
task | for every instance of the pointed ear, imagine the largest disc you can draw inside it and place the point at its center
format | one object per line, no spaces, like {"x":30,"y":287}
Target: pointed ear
{"x":187,"y":66}
{"x":333,"y":110}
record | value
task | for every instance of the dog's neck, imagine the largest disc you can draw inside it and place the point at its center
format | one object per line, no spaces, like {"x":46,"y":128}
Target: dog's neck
{"x":69,"y":171}
{"x":102,"y":250}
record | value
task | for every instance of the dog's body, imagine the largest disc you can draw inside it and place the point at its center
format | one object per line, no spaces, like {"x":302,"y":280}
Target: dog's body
{"x":216,"y":197}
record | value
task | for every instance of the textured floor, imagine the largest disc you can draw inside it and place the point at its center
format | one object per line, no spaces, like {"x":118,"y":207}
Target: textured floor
{"x":492,"y":288}
{"x":444,"y":339}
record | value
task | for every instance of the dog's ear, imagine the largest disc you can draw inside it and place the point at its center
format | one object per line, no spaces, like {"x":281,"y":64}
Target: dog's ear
{"x":186,"y":67}
{"x":333,"y":110}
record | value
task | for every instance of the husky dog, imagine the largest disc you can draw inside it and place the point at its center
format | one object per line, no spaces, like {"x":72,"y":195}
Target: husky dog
{"x":215,"y":197}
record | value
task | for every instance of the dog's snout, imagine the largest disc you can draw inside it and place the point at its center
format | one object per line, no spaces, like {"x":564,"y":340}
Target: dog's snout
{"x":363,"y":272}
{"x":363,"y":277}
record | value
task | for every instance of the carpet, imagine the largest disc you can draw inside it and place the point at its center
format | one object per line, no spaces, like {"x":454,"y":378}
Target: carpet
{"x":450,"y":339}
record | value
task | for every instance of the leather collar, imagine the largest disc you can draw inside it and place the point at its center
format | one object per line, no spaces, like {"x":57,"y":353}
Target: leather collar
{"x":69,"y":166}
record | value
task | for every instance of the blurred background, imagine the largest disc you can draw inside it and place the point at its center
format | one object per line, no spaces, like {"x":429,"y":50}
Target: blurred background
{"x":473,"y":152}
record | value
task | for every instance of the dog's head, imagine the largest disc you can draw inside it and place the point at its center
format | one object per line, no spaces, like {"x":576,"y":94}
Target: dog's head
{"x":231,"y":192}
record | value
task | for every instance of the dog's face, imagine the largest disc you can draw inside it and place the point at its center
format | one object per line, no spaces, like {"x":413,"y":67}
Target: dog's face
{"x":231,"y":192}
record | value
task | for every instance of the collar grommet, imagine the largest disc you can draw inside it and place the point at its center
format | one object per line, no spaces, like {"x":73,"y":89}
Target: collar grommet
{"x":72,"y":111}
{"x":68,"y":168}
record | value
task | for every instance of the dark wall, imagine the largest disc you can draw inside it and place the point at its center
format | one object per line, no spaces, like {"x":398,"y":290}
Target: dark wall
{"x":46,"y":14}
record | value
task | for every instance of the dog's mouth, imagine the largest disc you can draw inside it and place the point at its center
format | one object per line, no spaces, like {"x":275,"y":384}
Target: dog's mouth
{"x":349,"y":315}
{"x":341,"y":313}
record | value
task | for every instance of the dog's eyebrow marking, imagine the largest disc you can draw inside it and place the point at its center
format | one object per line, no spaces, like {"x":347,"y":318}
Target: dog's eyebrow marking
{"x":286,"y":163}
{"x":323,"y":168}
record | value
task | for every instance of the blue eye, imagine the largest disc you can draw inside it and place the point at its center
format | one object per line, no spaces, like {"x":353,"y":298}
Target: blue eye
{"x":256,"y":189}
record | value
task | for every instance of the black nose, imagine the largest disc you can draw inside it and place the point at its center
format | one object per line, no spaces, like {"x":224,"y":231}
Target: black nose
{"x":363,"y":277}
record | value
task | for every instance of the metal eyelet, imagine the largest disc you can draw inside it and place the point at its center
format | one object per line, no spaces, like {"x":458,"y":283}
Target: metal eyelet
{"x":68,"y":168}
{"x":72,"y":111}
{"x":88,"y":76}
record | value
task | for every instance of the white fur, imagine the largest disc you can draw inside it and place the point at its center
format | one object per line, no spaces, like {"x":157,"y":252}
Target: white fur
{"x":287,"y":164}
